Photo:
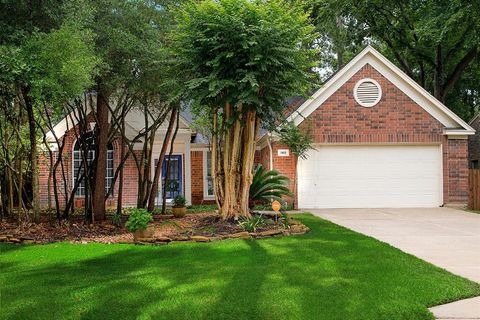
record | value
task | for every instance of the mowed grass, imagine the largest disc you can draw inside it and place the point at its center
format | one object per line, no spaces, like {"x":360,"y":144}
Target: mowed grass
{"x":330,"y":273}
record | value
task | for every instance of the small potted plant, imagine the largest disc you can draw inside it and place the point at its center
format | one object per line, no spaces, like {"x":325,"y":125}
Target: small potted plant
{"x":178,"y":207}
{"x":138,"y":224}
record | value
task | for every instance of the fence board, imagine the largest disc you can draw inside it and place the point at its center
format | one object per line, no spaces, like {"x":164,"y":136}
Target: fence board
{"x":474,"y":189}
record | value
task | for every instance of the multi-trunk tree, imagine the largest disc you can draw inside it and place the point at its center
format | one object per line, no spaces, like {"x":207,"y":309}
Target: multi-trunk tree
{"x":45,"y":60}
{"x":242,"y":59}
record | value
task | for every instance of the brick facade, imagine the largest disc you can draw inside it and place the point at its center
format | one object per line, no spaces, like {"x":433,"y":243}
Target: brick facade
{"x":197,"y":176}
{"x":396,"y":119}
{"x":130,"y":185}
{"x":455,"y":170}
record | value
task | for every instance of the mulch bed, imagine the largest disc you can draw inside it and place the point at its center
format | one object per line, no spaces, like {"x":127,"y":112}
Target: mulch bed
{"x":202,"y":227}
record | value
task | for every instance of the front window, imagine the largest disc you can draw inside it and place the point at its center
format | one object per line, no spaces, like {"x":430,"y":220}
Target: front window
{"x":208,"y":180}
{"x":78,"y":167}
{"x":78,"y":170}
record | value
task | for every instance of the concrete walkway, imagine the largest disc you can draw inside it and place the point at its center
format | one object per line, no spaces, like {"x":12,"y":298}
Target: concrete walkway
{"x":446,"y":237}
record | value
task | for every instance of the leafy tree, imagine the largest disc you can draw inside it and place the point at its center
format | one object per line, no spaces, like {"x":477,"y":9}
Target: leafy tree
{"x":434,"y":42}
{"x":49,"y":62}
{"x":242,"y":59}
{"x":341,"y":35}
{"x":128,"y":39}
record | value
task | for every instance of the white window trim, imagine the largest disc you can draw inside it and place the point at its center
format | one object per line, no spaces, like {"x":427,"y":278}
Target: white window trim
{"x":206,"y":196}
{"x":371,"y":104}
{"x":73,"y":168}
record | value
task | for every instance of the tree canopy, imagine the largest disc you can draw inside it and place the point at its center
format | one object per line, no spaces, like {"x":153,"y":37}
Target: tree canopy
{"x":434,"y":42}
{"x":241,"y":59}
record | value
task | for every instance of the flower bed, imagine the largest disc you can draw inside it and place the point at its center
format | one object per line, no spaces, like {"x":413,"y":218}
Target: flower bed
{"x":203,"y":227}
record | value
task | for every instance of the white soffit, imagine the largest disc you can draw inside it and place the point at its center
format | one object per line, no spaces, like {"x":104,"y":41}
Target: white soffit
{"x":413,"y":90}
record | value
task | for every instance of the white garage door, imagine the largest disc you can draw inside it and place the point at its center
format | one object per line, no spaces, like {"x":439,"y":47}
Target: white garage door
{"x":370,"y":177}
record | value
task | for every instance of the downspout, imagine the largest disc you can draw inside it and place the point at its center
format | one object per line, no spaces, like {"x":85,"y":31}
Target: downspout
{"x":270,"y":151}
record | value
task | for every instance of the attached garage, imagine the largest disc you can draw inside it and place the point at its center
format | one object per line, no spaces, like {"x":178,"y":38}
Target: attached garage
{"x":381,"y":140}
{"x":370,"y":176}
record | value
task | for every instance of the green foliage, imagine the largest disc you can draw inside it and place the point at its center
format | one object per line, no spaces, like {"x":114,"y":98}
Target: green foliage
{"x":268,"y":185}
{"x":434,"y":42}
{"x":341,"y":35}
{"x":298,"y":142}
{"x":138,"y":220}
{"x":199,"y":208}
{"x":62,"y":63}
{"x":117,"y":219}
{"x":179,"y":201}
{"x":250,"y":53}
{"x":253,"y":223}
{"x":284,"y":221}
{"x":268,"y":206}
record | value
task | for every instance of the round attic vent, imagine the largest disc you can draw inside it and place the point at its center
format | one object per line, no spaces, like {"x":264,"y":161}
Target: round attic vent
{"x":367,"y":92}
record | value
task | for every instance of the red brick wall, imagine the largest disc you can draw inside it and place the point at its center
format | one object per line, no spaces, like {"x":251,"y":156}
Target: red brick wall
{"x":395,"y":119}
{"x":130,"y":185}
{"x":197,"y":176}
{"x":197,"y":179}
{"x":285,"y":165}
{"x":455,"y":170}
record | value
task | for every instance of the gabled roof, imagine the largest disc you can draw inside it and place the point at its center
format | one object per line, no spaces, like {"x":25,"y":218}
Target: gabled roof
{"x":135,"y":123}
{"x":453,"y":124}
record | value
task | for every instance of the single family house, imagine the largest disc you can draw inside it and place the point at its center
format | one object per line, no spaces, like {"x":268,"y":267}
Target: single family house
{"x":381,"y":140}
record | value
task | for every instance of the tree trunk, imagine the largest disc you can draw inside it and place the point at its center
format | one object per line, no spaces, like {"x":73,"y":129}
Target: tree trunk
{"x":215,"y":170}
{"x":10,"y":192}
{"x":235,"y":162}
{"x":122,"y":155}
{"x":33,"y":153}
{"x":101,"y":145}
{"x":164,"y":189}
{"x":247,"y":161}
{"x":161,"y":156}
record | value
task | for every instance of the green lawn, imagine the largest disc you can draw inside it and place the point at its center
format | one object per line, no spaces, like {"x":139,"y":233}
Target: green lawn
{"x":330,"y":273}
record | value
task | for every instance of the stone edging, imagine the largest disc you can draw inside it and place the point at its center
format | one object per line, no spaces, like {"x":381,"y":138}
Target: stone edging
{"x":295,"y":229}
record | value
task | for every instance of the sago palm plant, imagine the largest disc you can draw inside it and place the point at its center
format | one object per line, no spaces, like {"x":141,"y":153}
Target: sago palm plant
{"x":268,"y":185}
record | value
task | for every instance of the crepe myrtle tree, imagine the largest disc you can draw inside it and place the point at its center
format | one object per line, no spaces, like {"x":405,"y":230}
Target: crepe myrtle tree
{"x":242,"y":59}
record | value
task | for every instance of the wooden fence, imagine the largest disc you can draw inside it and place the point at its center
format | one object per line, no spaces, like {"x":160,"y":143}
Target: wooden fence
{"x":474,"y":189}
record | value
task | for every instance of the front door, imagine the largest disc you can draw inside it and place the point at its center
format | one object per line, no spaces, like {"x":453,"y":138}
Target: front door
{"x":174,"y":182}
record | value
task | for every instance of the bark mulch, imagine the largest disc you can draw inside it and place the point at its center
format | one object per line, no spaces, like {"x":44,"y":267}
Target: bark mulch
{"x":201,"y":227}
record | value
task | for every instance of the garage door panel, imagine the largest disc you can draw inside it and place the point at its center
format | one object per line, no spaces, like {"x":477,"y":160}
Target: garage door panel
{"x":370,"y":176}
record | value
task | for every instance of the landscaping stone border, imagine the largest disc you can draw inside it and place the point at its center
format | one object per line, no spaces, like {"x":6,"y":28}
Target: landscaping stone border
{"x":296,"y":229}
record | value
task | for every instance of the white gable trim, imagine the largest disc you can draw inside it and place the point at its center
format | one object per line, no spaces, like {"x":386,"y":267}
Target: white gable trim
{"x":413,"y":90}
{"x":71,"y":120}
{"x":65,"y":125}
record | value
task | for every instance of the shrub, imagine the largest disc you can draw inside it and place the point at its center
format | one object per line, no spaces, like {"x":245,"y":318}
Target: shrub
{"x":253,"y":223}
{"x":117,"y":219}
{"x":268,"y":185}
{"x":284,"y":221}
{"x":179,"y":201}
{"x":138,"y":220}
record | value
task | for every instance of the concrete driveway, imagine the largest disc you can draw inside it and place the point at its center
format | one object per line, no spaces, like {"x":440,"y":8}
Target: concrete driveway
{"x":446,"y":237}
